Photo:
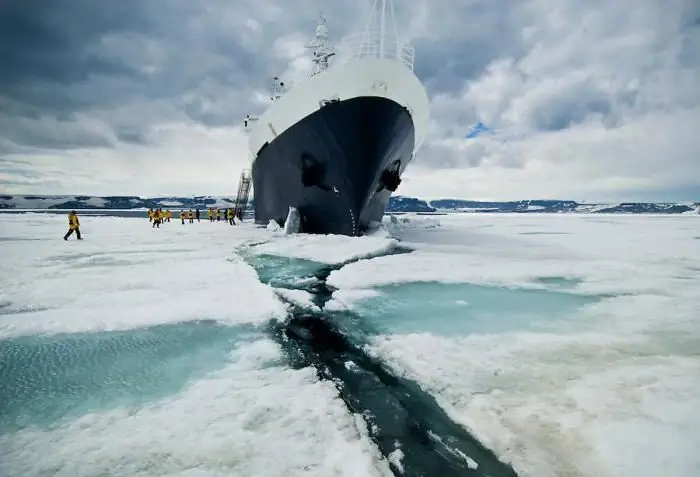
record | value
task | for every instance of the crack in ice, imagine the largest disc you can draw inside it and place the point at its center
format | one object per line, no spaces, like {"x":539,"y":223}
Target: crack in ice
{"x":410,"y":429}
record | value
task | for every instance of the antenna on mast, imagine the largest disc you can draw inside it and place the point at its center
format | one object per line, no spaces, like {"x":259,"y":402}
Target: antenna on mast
{"x":322,"y":51}
{"x":381,"y":39}
{"x":381,"y":25}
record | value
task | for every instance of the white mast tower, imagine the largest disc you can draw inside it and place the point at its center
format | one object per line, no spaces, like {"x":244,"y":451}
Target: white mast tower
{"x":380,"y":37}
{"x":376,"y":34}
{"x":322,"y":50}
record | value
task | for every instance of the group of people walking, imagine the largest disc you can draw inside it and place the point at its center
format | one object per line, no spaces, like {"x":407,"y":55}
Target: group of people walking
{"x":158,"y":216}
{"x":228,"y":215}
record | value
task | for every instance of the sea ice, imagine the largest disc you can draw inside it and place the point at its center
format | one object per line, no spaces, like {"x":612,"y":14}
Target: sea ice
{"x":228,"y":423}
{"x":611,"y":385}
{"x":568,"y":344}
{"x":328,"y":249}
{"x":140,"y":352}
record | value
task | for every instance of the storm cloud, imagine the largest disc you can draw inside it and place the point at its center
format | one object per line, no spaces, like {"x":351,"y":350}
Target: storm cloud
{"x":588,"y":99}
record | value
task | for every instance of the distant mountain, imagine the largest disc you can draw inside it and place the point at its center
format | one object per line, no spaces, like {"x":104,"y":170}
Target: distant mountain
{"x":397,"y":204}
{"x":111,"y":202}
{"x":400,"y":203}
{"x":559,"y":206}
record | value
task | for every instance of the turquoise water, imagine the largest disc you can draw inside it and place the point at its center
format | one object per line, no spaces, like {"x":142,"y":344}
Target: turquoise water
{"x":46,"y":378}
{"x":282,"y":271}
{"x":459,"y":309}
{"x":442,"y":309}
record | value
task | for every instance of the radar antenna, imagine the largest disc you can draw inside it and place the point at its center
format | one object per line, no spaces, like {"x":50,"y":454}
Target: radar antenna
{"x":322,"y":51}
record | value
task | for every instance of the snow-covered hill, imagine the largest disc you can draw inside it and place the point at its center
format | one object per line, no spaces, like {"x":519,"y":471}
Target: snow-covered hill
{"x":560,"y":206}
{"x":111,"y":202}
{"x":397,"y":204}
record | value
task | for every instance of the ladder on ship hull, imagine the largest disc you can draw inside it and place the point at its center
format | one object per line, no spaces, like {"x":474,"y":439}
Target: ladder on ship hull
{"x":243,"y":193}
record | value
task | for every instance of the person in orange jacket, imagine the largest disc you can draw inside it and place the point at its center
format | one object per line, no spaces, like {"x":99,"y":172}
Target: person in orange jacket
{"x":73,"y":225}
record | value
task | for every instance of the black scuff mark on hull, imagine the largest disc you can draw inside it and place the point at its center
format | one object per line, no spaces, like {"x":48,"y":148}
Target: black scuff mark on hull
{"x":399,"y":415}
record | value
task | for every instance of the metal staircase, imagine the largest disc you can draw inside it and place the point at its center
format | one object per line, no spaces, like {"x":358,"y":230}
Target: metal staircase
{"x":243,"y":193}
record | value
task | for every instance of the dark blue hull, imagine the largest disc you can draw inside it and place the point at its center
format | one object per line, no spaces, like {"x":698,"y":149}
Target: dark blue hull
{"x":338,"y":166}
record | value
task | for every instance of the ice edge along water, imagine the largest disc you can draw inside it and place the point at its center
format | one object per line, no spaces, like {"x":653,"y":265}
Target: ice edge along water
{"x":405,"y":423}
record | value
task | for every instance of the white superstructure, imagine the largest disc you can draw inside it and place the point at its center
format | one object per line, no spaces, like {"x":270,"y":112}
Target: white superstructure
{"x":375,"y":62}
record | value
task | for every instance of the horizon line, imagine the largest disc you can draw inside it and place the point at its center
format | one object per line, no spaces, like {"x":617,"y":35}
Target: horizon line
{"x":423,"y":198}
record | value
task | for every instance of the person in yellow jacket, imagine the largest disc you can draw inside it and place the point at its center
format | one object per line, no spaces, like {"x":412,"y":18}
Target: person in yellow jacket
{"x":73,"y":226}
{"x":182,"y":216}
{"x":210,"y":214}
{"x":150,"y":215}
{"x":157,"y":217}
{"x":190,"y":216}
{"x":218,"y":214}
{"x":167,"y":215}
{"x":229,"y":216}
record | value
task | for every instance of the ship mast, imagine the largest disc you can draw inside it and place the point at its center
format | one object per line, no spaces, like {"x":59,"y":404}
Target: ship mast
{"x":381,"y":34}
{"x":322,"y":51}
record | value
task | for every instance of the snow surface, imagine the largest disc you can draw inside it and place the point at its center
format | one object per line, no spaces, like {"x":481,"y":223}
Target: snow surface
{"x":567,"y":343}
{"x":124,"y":274}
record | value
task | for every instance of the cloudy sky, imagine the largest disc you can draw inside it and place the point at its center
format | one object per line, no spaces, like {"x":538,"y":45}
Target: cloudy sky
{"x":589,"y":99}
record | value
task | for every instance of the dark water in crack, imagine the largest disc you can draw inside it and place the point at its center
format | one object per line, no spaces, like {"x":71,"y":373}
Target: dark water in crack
{"x":398,"y":413}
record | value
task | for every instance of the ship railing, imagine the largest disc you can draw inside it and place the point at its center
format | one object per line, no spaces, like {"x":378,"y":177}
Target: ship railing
{"x":372,"y":44}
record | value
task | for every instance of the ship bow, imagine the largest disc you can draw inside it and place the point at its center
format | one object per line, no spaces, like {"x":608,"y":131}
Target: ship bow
{"x":337,"y":166}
